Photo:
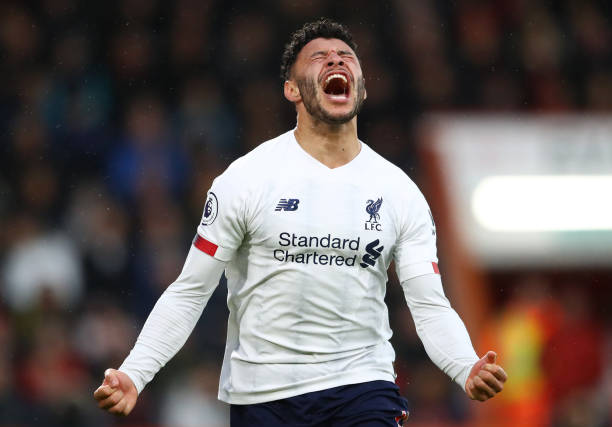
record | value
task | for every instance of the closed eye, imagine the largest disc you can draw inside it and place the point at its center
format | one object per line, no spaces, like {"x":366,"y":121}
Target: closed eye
{"x":322,"y":55}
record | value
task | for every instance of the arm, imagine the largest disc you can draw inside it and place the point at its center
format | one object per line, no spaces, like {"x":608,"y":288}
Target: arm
{"x":219,"y":235}
{"x":446,"y":340}
{"x":164,"y":333}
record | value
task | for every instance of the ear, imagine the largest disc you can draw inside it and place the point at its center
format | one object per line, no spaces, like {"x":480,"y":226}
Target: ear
{"x":292,"y":92}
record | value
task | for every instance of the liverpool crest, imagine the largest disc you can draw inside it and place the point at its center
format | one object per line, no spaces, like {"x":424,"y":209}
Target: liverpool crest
{"x":372,"y":208}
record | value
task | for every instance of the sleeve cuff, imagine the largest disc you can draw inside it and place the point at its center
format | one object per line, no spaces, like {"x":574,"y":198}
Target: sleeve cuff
{"x":463,"y":376}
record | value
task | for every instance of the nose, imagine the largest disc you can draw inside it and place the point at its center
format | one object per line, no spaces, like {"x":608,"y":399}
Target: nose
{"x":334,"y":59}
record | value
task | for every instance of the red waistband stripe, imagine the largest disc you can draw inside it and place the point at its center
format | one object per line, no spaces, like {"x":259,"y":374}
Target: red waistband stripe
{"x":435,"y":267}
{"x":204,"y":245}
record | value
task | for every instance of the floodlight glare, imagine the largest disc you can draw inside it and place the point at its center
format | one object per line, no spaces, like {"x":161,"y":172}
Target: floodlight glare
{"x":535,"y":203}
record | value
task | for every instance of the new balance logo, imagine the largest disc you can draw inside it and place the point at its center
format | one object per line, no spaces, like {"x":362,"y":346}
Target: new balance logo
{"x":287,"y":205}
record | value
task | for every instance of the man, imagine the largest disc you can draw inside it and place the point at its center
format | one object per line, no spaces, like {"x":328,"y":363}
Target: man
{"x":305,"y":227}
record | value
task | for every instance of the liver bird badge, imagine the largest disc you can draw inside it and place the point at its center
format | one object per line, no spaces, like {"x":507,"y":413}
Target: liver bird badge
{"x":372,"y":207}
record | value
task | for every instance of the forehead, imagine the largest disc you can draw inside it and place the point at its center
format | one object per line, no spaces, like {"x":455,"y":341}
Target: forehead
{"x":323,"y":45}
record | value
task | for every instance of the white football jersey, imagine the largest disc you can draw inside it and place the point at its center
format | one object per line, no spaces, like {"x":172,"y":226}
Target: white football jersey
{"x":308,"y":249}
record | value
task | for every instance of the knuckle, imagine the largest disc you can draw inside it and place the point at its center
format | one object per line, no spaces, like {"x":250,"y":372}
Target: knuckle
{"x":109,"y":402}
{"x":487,"y":376}
{"x":115,"y":398}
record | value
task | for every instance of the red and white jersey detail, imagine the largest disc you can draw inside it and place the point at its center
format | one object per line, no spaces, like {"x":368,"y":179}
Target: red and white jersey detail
{"x":205,"y":246}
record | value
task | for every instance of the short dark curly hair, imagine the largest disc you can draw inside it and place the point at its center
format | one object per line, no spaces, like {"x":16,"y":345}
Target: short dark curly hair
{"x":323,"y":27}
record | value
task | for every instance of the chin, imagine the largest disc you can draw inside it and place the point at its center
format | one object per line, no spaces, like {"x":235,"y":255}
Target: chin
{"x":338,"y":119}
{"x":339,"y":115}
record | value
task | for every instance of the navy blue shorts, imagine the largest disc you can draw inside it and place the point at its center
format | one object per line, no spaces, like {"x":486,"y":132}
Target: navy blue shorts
{"x":370,"y":404}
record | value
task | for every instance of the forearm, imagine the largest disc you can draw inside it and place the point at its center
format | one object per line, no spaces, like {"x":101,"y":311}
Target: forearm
{"x":442,"y":332}
{"x":173,"y":318}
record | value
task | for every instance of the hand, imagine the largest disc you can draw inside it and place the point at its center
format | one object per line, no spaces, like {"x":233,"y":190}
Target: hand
{"x":117,"y":394}
{"x":486,"y":378}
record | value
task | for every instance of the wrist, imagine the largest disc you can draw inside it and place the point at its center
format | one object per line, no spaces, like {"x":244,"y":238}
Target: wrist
{"x":133,"y":379}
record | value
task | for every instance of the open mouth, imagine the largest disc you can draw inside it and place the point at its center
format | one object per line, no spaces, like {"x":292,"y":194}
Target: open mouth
{"x":337,"y":86}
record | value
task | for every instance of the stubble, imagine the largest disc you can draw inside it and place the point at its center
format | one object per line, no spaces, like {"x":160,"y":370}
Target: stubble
{"x":308,"y":91}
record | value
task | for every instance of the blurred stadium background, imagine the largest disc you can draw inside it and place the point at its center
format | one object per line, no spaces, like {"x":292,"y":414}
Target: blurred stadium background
{"x":115,"y":117}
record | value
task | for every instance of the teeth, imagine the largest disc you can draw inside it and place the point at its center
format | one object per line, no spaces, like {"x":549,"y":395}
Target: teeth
{"x":335,"y":76}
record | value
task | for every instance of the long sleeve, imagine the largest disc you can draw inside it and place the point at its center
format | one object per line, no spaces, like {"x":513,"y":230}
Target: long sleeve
{"x":442,"y":332}
{"x":173,"y":318}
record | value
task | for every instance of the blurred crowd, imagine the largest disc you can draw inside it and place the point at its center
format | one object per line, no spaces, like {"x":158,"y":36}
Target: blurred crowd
{"x":115,"y":116}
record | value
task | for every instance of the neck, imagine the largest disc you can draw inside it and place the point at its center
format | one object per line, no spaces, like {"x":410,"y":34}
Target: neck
{"x":333,"y":145}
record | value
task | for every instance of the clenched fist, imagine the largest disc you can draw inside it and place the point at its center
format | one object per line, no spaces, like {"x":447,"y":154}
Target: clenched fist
{"x":117,"y":394}
{"x":486,"y":378}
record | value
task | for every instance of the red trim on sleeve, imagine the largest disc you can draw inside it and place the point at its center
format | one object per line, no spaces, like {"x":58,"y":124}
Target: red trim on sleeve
{"x":204,"y":245}
{"x":435,"y":267}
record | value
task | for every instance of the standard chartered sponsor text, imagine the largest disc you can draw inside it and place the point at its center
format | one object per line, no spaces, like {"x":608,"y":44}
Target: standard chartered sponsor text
{"x":287,"y":240}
